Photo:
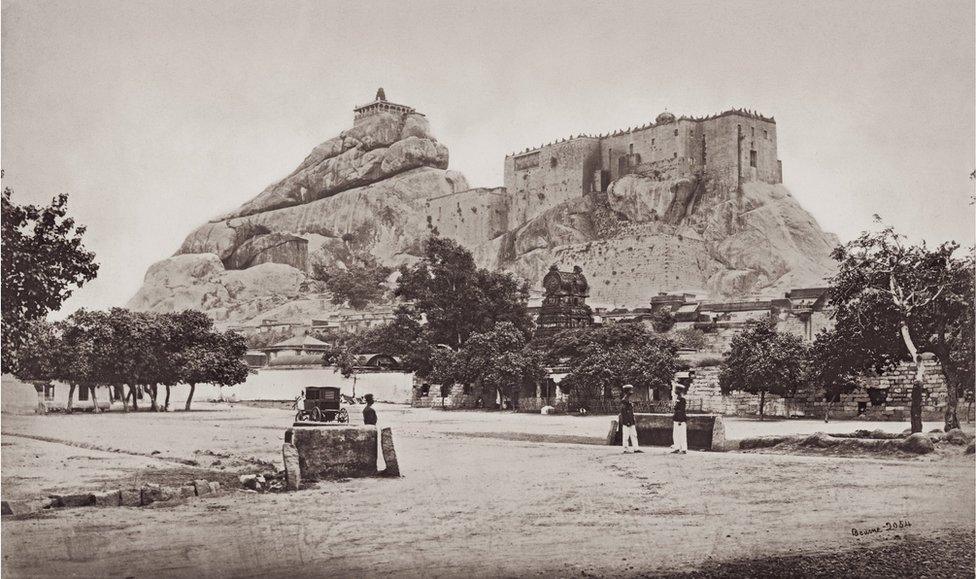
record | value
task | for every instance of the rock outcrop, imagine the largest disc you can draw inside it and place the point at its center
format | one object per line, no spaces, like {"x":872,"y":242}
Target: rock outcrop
{"x":382,"y":187}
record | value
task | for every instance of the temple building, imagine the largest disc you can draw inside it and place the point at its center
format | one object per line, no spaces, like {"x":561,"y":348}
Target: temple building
{"x":564,"y":305}
{"x":379,"y":104}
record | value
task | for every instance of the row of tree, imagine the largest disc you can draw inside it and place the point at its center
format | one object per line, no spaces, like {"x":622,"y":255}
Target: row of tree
{"x":119,"y":348}
{"x":890,"y":301}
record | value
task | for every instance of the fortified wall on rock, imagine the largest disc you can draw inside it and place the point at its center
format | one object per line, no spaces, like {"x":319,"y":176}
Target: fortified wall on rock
{"x":682,"y":204}
{"x":726,"y":149}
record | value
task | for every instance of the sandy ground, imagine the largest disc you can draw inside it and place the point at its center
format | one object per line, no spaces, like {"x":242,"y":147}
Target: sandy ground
{"x":471,"y":501}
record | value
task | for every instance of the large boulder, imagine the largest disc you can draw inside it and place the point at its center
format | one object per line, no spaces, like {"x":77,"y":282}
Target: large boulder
{"x":383,"y":145}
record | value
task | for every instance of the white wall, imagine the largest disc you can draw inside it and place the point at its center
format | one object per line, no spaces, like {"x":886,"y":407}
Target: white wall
{"x":276,"y":384}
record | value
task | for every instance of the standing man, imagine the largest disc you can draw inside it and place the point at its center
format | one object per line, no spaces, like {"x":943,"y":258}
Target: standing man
{"x":369,"y":414}
{"x":628,"y":424}
{"x":680,"y":431}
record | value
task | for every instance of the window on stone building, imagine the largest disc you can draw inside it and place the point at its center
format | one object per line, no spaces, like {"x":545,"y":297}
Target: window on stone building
{"x":676,"y":155}
{"x":553,"y":162}
{"x":622,"y":166}
{"x":862,"y":407}
{"x":425,"y":390}
{"x":765,"y":134}
{"x":631,"y":148}
{"x":82,"y":393}
{"x":652,"y":142}
{"x":753,"y":132}
{"x":676,"y":132}
{"x":752,"y":158}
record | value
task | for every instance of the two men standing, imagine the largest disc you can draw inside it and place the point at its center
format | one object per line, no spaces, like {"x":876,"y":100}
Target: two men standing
{"x":628,"y":422}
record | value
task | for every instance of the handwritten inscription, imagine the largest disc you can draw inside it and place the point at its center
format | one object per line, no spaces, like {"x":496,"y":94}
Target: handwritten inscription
{"x":887,"y":526}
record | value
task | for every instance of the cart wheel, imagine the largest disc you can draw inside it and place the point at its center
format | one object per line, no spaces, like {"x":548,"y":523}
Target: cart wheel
{"x":302,"y":416}
{"x":316,"y":414}
{"x":342,"y":416}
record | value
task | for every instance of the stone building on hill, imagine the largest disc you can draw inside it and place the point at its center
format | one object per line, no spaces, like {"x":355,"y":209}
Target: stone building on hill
{"x":564,"y":306}
{"x":727,"y":150}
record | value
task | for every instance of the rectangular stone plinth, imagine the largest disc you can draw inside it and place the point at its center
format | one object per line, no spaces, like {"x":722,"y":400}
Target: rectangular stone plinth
{"x":345,"y":451}
{"x":705,"y":431}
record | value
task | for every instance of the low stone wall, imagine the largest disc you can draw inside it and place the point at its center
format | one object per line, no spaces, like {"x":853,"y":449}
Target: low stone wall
{"x":326,"y":452}
{"x":705,"y":432}
{"x":706,"y":394}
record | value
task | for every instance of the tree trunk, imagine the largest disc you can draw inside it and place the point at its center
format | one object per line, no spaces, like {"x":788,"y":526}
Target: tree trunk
{"x":916,"y":408}
{"x":166,"y":402}
{"x":153,"y":391}
{"x":830,"y":402}
{"x":134,"y":392}
{"x":762,"y":403}
{"x":71,"y":396}
{"x":952,"y":397}
{"x":122,"y":396}
{"x":189,"y":398}
{"x":95,"y":409}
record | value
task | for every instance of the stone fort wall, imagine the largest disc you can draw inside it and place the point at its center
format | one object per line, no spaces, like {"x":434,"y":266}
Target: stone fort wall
{"x":546,"y":176}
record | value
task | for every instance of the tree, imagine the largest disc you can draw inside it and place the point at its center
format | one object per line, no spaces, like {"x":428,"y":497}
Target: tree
{"x":601,"y":358}
{"x":689,"y":339}
{"x":213,"y":358}
{"x":829,"y":367}
{"x":762,"y":360}
{"x":458,"y":299}
{"x":358,"y":285}
{"x":662,"y":321}
{"x":897,"y":300}
{"x":43,"y":259}
{"x":496,"y":360}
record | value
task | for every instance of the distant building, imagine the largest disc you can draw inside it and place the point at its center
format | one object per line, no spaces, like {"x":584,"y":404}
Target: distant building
{"x":380,"y":105}
{"x":353,"y":321}
{"x":564,"y":305}
{"x":297,"y":351}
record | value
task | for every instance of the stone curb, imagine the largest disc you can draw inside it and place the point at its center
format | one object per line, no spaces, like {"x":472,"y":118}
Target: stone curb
{"x":148,"y":494}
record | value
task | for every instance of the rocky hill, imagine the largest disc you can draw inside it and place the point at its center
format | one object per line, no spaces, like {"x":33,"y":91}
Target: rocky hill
{"x":382,"y":187}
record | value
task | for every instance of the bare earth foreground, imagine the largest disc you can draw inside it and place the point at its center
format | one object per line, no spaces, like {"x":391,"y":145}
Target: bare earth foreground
{"x":482,"y":494}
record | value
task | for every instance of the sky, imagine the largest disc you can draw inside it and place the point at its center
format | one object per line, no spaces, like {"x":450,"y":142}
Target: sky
{"x":157,"y":116}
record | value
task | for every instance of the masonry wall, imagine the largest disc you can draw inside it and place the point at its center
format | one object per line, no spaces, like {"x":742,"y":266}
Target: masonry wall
{"x":706,"y":394}
{"x":546,"y":177}
{"x":653,"y":144}
{"x":720,"y":135}
{"x":467,"y":216}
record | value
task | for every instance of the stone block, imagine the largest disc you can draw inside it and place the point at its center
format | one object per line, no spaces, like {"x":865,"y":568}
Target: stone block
{"x":956,"y":436}
{"x":75,"y":500}
{"x":201,"y":487}
{"x":389,"y":453}
{"x":918,"y":443}
{"x":705,"y":431}
{"x":151,"y":493}
{"x":169,"y":493}
{"x":188,"y":491}
{"x":335,"y":451}
{"x":214,"y":487}
{"x":131,"y":497}
{"x":108,"y":499}
{"x":15,"y":508}
{"x":293,"y":473}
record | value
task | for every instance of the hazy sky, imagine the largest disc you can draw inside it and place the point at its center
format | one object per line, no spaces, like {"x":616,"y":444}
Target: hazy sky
{"x":156,"y":116}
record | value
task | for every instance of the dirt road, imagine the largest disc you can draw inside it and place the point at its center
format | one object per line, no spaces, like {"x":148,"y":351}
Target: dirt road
{"x":474,"y":506}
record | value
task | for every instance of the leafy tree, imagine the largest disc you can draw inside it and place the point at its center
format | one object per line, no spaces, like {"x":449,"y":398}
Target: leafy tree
{"x":358,"y":285}
{"x":662,"y":321}
{"x":213,"y":358}
{"x":601,"y":358}
{"x":496,"y":360}
{"x":689,"y":339}
{"x":458,"y":299}
{"x":897,"y":300}
{"x":762,"y":360}
{"x":829,"y":367}
{"x":43,"y":259}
